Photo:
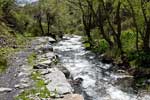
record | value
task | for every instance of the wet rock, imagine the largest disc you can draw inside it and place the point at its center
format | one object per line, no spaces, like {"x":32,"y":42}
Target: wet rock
{"x":40,"y":66}
{"x":43,"y":48}
{"x":47,"y":48}
{"x":58,"y":82}
{"x":105,"y":59}
{"x":64,"y":70}
{"x":78,"y":81}
{"x":3,"y":89}
{"x":77,"y":85}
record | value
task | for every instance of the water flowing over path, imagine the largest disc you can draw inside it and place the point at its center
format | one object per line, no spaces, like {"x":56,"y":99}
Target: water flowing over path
{"x":99,"y":83}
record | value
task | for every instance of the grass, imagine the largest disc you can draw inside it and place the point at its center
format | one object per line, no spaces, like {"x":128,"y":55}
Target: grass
{"x":4,"y":54}
{"x":40,"y":89}
{"x":3,"y":65}
{"x":10,"y":42}
{"x":31,"y":59}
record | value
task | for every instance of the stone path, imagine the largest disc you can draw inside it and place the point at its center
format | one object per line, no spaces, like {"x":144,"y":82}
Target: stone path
{"x":17,"y":77}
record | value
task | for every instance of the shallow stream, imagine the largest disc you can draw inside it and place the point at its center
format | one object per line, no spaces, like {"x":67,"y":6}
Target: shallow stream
{"x":99,"y":82}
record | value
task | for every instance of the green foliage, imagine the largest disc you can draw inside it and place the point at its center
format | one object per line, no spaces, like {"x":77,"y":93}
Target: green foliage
{"x":39,"y":89}
{"x":128,"y":40}
{"x":101,"y":46}
{"x":139,"y":59}
{"x":143,"y":59}
{"x":3,"y":64}
{"x":4,"y":54}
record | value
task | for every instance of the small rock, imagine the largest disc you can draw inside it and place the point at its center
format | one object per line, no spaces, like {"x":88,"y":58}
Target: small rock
{"x":46,"y":62}
{"x":44,"y":71}
{"x":78,"y":81}
{"x":46,"y":48}
{"x":46,"y":82}
{"x":43,"y":48}
{"x":24,"y":80}
{"x":2,"y":89}
{"x":48,"y":55}
{"x":21,"y":85}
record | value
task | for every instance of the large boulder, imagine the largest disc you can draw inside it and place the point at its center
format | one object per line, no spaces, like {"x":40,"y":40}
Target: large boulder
{"x":46,"y":39}
{"x":58,"y":82}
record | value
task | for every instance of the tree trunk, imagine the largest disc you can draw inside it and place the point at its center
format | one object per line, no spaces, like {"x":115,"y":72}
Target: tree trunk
{"x":147,"y":38}
{"x":40,"y":24}
{"x":118,"y":35}
{"x":48,"y":22}
{"x":87,"y":31}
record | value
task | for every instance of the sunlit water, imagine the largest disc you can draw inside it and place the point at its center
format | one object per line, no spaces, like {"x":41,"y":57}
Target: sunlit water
{"x":99,"y":83}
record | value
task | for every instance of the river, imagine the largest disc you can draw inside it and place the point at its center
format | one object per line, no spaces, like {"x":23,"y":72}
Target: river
{"x":99,"y":82}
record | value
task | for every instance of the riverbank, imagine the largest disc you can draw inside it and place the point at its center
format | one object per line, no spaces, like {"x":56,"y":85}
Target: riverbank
{"x":140,"y":74}
{"x":33,"y":73}
{"x":129,"y":63}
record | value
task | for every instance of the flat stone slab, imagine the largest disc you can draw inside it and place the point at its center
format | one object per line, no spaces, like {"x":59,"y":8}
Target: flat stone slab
{"x":43,"y":64}
{"x":58,"y":82}
{"x":49,"y":55}
{"x":72,"y":97}
{"x":21,"y":85}
{"x":46,"y":62}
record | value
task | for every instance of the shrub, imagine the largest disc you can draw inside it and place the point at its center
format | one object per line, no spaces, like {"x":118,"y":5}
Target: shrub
{"x":101,"y":46}
{"x":128,"y":41}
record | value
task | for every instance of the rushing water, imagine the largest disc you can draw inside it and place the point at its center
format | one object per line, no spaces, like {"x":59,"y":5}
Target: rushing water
{"x":99,"y":83}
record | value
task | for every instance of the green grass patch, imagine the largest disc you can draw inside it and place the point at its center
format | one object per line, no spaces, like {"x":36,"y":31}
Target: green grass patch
{"x":31,"y":59}
{"x":3,"y":64}
{"x":39,"y":88}
{"x":4,"y":54}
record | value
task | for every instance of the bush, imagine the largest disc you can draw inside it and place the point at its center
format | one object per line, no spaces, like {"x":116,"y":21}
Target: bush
{"x":101,"y":46}
{"x":144,"y":59}
{"x":128,"y":41}
{"x":140,"y":58}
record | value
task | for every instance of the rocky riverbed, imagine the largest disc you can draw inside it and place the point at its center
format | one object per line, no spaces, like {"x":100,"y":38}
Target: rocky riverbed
{"x":17,"y":77}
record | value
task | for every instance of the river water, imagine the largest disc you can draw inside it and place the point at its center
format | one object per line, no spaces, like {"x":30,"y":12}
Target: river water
{"x":99,"y":82}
